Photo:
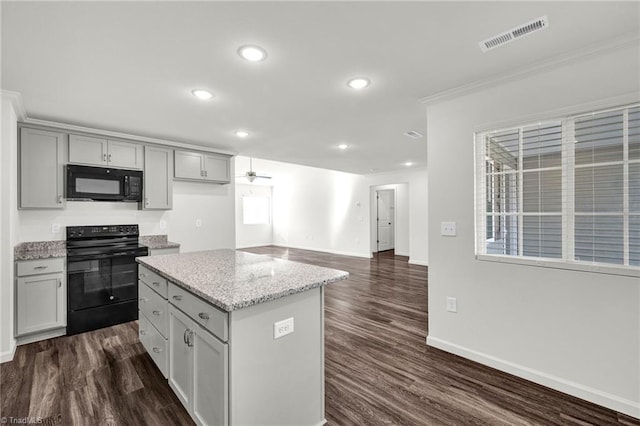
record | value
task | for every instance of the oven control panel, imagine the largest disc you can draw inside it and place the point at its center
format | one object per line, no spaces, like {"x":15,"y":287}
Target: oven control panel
{"x":77,"y":232}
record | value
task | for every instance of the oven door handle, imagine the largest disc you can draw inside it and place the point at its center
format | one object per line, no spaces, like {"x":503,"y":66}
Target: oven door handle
{"x":73,"y":258}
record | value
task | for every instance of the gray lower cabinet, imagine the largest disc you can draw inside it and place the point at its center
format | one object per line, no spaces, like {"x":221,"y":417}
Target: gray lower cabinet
{"x":166,"y":250}
{"x":153,"y":317}
{"x":158,"y":178}
{"x":204,"y":167}
{"x":103,"y":152}
{"x":198,"y":369}
{"x":41,"y":296}
{"x":41,"y":169}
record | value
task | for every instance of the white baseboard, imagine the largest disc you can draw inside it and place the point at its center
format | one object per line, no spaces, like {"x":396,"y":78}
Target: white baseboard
{"x":253,"y":246}
{"x":399,"y":253}
{"x":343,"y":253}
{"x":587,"y":393}
{"x":42,"y":335}
{"x":418,"y":262}
{"x":8,"y":355}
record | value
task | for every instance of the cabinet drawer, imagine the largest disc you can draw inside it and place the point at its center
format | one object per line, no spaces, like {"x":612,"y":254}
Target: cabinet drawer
{"x":154,"y":343}
{"x":42,"y":266}
{"x":153,"y":280}
{"x":205,"y":314}
{"x":154,"y":307}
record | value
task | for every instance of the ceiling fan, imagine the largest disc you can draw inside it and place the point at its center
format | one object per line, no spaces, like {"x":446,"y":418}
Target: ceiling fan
{"x":251,"y":175}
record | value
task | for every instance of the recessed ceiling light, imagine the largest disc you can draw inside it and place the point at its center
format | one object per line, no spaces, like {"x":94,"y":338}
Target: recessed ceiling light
{"x":408,"y":164}
{"x":242,"y":134}
{"x":252,"y":53}
{"x":343,"y":146}
{"x":413,"y":134}
{"x":202,"y":94}
{"x":358,"y":83}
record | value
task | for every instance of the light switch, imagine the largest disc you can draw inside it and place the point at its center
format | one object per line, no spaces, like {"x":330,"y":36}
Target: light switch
{"x":452,"y":304}
{"x":55,"y":228}
{"x":448,"y":229}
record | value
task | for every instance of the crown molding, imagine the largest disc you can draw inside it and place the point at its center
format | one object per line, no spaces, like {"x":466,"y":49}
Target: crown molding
{"x":16,"y":100}
{"x":548,"y":64}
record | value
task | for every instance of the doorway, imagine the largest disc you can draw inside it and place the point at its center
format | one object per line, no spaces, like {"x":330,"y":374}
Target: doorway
{"x":385,"y":219}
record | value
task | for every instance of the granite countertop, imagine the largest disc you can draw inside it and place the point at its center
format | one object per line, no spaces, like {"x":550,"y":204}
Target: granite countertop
{"x":34,"y":250}
{"x":231,"y":279}
{"x":157,"y":242}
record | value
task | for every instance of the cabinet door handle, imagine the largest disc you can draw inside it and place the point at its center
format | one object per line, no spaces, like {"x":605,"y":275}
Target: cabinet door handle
{"x":146,"y":202}
{"x":184,"y":336}
{"x":142,"y":275}
{"x":157,"y":350}
{"x":109,"y":157}
{"x":204,"y":315}
{"x":104,"y":157}
{"x":206,"y":173}
{"x":190,"y":339}
{"x":157,"y":313}
{"x":59,"y":282}
{"x":143,"y":299}
{"x":40,"y":267}
{"x":177,"y":297}
{"x":59,"y":199}
{"x":156,"y":283}
{"x":142,"y":332}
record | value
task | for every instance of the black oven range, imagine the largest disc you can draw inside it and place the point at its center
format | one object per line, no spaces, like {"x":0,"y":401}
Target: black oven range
{"x":102,"y":276}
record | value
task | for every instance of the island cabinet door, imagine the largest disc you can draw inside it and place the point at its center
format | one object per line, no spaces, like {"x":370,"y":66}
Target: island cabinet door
{"x":181,"y":357}
{"x":210,"y":390}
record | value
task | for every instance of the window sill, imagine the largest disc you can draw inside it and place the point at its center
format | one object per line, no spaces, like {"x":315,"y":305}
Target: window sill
{"x":598,"y":268}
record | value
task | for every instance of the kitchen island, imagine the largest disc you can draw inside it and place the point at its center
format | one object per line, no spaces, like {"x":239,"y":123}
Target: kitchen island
{"x":239,"y":336}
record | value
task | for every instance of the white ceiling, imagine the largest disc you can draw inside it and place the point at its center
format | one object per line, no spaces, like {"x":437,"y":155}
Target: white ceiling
{"x":130,"y":67}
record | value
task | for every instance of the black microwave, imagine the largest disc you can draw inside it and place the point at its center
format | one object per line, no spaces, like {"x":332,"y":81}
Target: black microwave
{"x":103,"y":184}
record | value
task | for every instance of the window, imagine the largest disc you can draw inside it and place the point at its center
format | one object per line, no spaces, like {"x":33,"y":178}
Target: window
{"x":256,"y":210}
{"x":566,"y":191}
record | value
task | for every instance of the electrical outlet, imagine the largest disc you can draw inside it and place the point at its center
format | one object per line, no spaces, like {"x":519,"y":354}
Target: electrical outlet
{"x":448,"y":229}
{"x":452,"y":304}
{"x":198,"y":223}
{"x":55,"y":228}
{"x":163,"y":224}
{"x":282,"y":328}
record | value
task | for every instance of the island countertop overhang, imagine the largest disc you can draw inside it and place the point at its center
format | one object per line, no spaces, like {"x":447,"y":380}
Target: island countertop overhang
{"x":232,"y":279}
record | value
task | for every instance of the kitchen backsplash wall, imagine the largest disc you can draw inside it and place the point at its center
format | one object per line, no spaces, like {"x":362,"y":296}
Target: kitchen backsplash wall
{"x":211,"y":206}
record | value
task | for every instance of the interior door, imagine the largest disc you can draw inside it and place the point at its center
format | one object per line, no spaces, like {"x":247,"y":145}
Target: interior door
{"x":385,"y":209}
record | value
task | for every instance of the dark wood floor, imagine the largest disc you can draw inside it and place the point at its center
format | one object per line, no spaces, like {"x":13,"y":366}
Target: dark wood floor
{"x":378,"y":368}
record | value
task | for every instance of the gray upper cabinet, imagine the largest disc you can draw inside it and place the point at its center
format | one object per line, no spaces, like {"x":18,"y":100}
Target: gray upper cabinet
{"x":103,"y":152}
{"x":41,"y":169}
{"x":202,"y":167}
{"x":158,"y":179}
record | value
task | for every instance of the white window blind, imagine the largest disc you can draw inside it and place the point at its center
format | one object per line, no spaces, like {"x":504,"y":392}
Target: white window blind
{"x":565,"y":190}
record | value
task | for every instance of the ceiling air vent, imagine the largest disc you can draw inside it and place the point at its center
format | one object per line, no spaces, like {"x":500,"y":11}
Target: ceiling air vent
{"x":514,"y":34}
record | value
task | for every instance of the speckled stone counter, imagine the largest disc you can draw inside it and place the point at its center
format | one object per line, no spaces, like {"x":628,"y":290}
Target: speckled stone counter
{"x":34,"y":250}
{"x":157,"y":242}
{"x":231,"y":279}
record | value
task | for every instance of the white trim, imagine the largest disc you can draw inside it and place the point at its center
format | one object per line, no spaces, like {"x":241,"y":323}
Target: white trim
{"x":8,"y":355}
{"x":541,"y":66}
{"x":619,"y":101}
{"x":587,"y":393}
{"x":599,"y":268}
{"x":340,"y":252}
{"x":253,"y":246}
{"x":418,"y":262}
{"x":16,"y":100}
{"x":397,"y":253}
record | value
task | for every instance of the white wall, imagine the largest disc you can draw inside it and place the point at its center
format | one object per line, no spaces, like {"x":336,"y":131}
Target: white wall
{"x":577,"y":332}
{"x":252,"y":235}
{"x":326,"y":210}
{"x":212,"y":204}
{"x":8,"y":234}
